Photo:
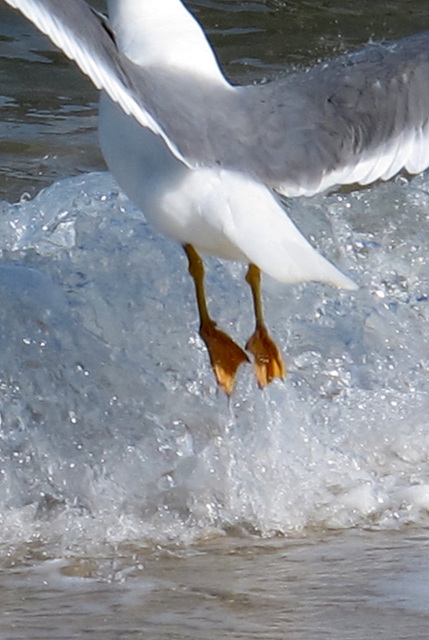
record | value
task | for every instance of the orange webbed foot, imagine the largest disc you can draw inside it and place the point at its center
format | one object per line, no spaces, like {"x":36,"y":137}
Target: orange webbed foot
{"x":268,"y":359}
{"x":225,"y":355}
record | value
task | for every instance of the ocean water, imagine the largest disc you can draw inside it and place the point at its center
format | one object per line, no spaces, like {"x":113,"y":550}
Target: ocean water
{"x":136,"y":500}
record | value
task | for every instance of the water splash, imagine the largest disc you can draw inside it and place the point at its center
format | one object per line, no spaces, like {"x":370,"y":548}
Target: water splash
{"x":111,"y":426}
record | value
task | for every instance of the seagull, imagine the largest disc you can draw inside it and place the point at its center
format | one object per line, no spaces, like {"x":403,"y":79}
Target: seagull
{"x":208,"y":162}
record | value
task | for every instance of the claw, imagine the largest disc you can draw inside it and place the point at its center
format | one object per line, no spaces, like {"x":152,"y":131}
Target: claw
{"x":225,"y":355}
{"x":268,"y":360}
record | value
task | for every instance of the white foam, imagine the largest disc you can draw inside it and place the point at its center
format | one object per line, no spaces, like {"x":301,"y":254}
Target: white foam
{"x":111,"y":425}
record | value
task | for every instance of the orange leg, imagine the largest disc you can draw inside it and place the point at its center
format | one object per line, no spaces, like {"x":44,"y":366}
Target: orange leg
{"x":225,"y":355}
{"x":268,"y":359}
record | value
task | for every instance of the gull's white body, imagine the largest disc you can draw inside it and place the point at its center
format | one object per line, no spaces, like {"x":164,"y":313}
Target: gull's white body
{"x":220,"y":212}
{"x":184,"y":204}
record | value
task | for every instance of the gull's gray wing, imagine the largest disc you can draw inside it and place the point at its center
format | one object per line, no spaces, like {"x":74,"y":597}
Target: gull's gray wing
{"x":356,"y":119}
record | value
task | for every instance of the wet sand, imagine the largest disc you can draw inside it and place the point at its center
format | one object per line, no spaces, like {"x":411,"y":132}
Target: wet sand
{"x":347,"y":586}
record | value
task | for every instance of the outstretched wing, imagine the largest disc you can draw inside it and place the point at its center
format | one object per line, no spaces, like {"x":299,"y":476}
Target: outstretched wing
{"x":357,"y":119}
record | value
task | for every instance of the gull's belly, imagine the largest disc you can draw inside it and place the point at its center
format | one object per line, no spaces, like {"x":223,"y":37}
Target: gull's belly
{"x":186,"y":205}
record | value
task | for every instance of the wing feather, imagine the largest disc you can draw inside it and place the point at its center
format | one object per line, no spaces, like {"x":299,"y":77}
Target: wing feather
{"x":83,"y":35}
